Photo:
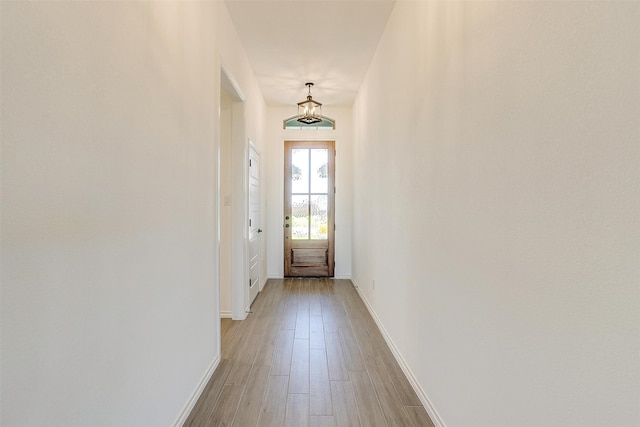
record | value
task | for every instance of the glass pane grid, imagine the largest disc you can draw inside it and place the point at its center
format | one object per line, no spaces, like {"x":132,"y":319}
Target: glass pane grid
{"x":309,"y":193}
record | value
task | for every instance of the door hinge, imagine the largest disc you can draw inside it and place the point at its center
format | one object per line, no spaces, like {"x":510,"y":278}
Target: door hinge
{"x":334,"y":190}
{"x":249,"y":223}
{"x":249,"y":162}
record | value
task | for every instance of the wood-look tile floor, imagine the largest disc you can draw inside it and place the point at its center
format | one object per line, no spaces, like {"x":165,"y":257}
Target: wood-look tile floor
{"x":309,"y":355}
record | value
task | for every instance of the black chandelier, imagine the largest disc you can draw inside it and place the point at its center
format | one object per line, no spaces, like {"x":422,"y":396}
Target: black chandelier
{"x":309,"y":111}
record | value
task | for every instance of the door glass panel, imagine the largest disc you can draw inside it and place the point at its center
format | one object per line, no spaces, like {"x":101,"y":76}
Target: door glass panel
{"x":319,"y":170}
{"x":318,"y":217}
{"x":299,"y":217}
{"x":300,"y":170}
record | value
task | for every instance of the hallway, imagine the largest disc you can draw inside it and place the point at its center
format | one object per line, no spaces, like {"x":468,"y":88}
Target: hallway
{"x":310,"y":354}
{"x":486,"y":215}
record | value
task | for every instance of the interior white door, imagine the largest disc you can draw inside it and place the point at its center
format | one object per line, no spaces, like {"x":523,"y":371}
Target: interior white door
{"x":254,"y":223}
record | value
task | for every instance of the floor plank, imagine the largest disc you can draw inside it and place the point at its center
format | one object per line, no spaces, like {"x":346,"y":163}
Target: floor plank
{"x":304,"y":289}
{"x":230,"y":350}
{"x":367,"y":400}
{"x":351,"y":350}
{"x":248,"y":349}
{"x":321,"y":421}
{"x":299,"y":377}
{"x":402,"y":385}
{"x":310,"y":354}
{"x":251,"y":402}
{"x":269,"y":342}
{"x":392,"y":407}
{"x":228,"y":329}
{"x":290,"y":314}
{"x":227,"y":405}
{"x":320,"y":389}
{"x":329,"y":322}
{"x":367,"y":346}
{"x":316,"y":332}
{"x":345,"y":409}
{"x":335,"y":358}
{"x":302,"y":322}
{"x":419,"y":416}
{"x":297,"y":411}
{"x":282,"y":356}
{"x":275,"y":402}
{"x":315,"y":296}
{"x":209,"y":397}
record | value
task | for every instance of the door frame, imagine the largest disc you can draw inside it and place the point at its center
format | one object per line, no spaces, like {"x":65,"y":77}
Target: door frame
{"x":310,"y":143}
{"x":239,"y":264}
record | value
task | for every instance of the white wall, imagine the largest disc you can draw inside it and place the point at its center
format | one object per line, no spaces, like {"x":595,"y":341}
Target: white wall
{"x":276,"y":135}
{"x":496,"y":205}
{"x":109,"y":244}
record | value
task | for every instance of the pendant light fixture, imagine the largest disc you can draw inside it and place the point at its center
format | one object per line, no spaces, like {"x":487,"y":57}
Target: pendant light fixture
{"x":309,"y":111}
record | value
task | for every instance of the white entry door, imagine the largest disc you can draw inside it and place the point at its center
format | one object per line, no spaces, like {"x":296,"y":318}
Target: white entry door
{"x":254,"y":223}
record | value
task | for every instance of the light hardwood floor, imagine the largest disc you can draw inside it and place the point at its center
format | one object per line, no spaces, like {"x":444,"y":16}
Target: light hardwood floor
{"x":309,"y":355}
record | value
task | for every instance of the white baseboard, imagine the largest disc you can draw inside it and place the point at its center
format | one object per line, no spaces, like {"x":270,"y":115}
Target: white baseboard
{"x":342,"y":276}
{"x":275,"y":276}
{"x":184,"y":414}
{"x":225,"y":314}
{"x":428,"y":406}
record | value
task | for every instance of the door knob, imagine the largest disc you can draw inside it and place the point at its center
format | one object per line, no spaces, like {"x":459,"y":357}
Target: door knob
{"x":259,"y":230}
{"x":286,"y":225}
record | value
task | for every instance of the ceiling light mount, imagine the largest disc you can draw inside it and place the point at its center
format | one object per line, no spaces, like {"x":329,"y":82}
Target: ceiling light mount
{"x":309,"y":111}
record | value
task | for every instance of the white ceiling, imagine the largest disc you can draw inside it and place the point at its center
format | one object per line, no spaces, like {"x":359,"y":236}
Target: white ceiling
{"x":328,"y":42}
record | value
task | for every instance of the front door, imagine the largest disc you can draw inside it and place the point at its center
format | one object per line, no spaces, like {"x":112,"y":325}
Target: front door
{"x":254,"y":223}
{"x":309,"y":208}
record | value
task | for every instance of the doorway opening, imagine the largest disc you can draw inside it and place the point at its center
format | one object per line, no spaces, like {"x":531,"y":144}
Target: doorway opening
{"x":309,"y":208}
{"x":233,"y":213}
